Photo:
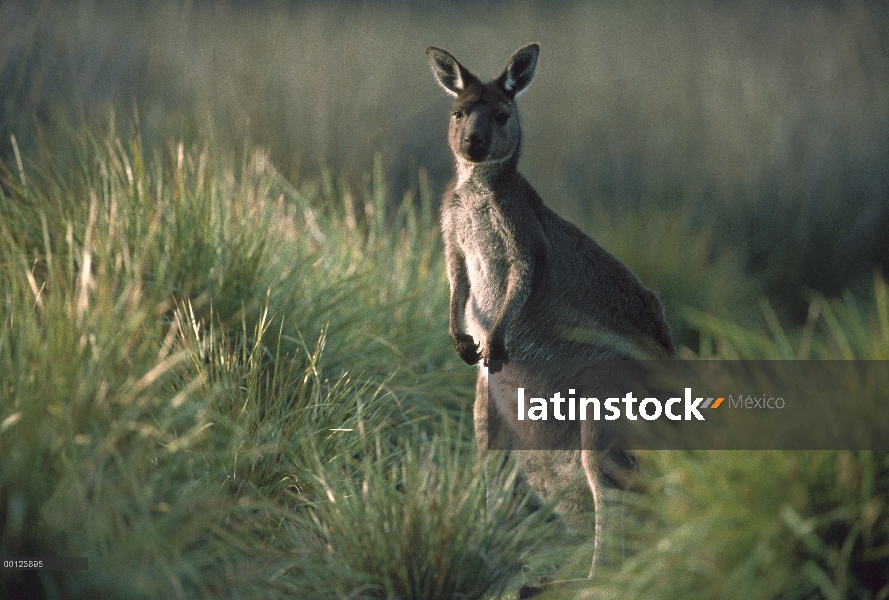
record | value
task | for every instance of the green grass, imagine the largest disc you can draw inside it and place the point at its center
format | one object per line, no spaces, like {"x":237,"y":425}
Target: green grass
{"x":771,"y":525}
{"x":853,"y":328}
{"x":189,"y":348}
{"x":418,"y":527}
{"x":216,"y":383}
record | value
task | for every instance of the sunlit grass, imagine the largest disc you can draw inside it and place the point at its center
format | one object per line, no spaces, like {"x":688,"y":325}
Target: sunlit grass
{"x":426,"y":525}
{"x":217,"y":383}
{"x":180,"y":339}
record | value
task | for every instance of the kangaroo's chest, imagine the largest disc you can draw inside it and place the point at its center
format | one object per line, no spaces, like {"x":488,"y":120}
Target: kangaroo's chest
{"x":483,"y":235}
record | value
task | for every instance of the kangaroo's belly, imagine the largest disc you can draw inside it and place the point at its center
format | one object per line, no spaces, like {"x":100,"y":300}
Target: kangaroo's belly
{"x":487,"y":288}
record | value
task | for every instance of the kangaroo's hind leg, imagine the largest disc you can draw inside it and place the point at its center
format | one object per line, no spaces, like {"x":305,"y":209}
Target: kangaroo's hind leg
{"x":590,"y":468}
{"x":611,"y":474}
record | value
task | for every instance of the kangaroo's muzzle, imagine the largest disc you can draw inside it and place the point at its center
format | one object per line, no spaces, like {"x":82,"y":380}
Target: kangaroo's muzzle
{"x":475,"y":143}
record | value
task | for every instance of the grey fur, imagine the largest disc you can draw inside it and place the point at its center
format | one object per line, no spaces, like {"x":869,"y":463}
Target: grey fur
{"x":525,"y":283}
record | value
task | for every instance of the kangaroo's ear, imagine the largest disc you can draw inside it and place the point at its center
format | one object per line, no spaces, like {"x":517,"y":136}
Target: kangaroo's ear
{"x":449,"y":74}
{"x":519,"y":71}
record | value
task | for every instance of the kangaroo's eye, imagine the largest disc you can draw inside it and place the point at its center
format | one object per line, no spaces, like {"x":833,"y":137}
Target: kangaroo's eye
{"x":502,"y":118}
{"x":457,"y":114}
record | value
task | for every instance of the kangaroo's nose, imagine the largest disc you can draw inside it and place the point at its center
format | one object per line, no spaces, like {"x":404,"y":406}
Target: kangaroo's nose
{"x":475,"y":146}
{"x":474,"y":138}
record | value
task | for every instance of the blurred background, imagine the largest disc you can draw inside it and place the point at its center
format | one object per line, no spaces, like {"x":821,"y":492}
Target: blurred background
{"x":747,"y":142}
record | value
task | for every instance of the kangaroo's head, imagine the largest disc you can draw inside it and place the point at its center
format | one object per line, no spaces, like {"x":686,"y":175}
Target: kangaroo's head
{"x":484,"y":126}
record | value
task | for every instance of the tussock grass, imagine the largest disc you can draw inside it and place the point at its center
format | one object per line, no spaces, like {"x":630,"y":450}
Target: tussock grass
{"x":771,"y":524}
{"x":775,"y":525}
{"x":181,"y":342}
{"x":218,"y":384}
{"x":426,"y":519}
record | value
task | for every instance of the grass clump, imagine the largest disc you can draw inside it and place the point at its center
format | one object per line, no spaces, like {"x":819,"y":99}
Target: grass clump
{"x":217,"y":383}
{"x":420,"y":527}
{"x":101,"y":444}
{"x":181,"y":340}
{"x":771,"y":525}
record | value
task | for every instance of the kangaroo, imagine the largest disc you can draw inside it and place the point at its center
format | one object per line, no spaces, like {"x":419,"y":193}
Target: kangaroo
{"x":525,"y":284}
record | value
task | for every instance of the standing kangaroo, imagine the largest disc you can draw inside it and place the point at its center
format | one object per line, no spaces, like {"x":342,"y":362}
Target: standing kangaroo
{"x":525,"y":281}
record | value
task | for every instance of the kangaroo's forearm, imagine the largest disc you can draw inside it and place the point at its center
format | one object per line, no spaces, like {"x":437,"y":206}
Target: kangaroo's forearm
{"x":459,"y":281}
{"x":458,"y":310}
